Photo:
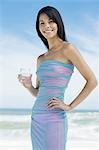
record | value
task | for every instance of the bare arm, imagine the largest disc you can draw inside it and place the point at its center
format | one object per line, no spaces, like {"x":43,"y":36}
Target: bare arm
{"x":75,"y":57}
{"x":33,"y":90}
{"x":27,"y":83}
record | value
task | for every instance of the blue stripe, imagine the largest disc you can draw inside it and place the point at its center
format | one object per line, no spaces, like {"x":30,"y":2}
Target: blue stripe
{"x":56,"y":61}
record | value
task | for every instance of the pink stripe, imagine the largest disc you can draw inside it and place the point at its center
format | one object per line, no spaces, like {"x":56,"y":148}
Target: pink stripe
{"x":55,"y":82}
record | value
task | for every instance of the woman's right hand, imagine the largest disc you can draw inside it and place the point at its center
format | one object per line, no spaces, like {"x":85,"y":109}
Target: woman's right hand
{"x":25,"y":81}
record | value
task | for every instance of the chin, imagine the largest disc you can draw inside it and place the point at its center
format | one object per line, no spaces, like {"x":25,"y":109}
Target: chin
{"x":49,"y":36}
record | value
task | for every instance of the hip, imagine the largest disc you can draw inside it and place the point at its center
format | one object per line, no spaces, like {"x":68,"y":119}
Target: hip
{"x":48,"y":115}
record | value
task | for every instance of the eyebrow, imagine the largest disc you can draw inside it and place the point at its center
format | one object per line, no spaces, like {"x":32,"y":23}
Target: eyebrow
{"x":40,"y":20}
{"x":48,"y":19}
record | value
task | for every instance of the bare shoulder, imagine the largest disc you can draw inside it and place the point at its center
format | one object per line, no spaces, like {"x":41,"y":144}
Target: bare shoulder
{"x":74,"y":55}
{"x":40,"y":59}
{"x":69,"y":47}
{"x":70,"y":50}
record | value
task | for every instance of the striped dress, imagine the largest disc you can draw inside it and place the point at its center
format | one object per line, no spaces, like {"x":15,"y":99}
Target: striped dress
{"x":49,"y":126}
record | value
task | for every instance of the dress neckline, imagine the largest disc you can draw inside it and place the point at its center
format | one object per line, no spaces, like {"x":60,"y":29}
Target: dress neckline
{"x":56,"y":61}
{"x":71,"y":66}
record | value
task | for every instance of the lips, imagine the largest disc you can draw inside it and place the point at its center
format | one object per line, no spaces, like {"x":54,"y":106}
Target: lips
{"x":47,"y":31}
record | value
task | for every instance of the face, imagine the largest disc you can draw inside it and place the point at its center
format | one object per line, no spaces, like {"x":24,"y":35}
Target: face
{"x":47,"y":26}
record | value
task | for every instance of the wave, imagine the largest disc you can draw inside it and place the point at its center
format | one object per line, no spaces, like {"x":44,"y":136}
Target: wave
{"x":82,"y":126}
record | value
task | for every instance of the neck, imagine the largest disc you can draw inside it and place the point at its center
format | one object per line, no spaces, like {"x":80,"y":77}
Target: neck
{"x":53,"y":42}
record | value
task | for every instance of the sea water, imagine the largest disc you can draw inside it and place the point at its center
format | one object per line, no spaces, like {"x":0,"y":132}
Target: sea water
{"x":15,"y":126}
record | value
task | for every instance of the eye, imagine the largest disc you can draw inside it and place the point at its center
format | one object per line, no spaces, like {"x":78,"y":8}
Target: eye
{"x":51,"y":21}
{"x":41,"y":23}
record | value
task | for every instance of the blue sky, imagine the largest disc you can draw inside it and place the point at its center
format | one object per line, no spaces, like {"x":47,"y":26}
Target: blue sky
{"x":20,"y":46}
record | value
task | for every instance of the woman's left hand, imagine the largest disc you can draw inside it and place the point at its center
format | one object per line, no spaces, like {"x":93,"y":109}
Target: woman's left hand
{"x":57,"y":103}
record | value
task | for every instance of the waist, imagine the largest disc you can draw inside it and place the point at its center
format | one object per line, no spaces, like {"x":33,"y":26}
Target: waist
{"x":51,"y":92}
{"x":52,"y":87}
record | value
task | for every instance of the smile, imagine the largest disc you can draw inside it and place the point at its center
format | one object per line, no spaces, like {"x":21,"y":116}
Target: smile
{"x":47,"y":31}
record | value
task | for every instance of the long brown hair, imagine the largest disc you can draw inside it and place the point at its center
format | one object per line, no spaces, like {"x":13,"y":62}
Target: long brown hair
{"x":53,"y":14}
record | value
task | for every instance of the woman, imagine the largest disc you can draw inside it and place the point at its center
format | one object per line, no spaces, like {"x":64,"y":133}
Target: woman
{"x":54,"y":69}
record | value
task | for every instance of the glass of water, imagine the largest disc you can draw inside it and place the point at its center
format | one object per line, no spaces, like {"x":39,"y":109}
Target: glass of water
{"x":25,"y":72}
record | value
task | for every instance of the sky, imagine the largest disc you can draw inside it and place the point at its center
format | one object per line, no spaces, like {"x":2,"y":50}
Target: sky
{"x":20,"y":46}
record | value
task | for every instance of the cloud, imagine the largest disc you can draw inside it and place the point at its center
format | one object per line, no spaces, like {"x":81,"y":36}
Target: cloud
{"x":93,"y":22}
{"x":11,"y":44}
{"x":15,"y":53}
{"x":86,"y":36}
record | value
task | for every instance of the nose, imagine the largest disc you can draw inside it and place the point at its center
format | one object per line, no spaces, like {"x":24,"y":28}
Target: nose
{"x":47,"y":26}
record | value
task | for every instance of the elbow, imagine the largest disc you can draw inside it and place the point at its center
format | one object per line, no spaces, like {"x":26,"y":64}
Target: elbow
{"x":93,"y":82}
{"x":96,"y":82}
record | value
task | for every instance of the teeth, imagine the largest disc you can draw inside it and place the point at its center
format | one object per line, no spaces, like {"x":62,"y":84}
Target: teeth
{"x":49,"y":31}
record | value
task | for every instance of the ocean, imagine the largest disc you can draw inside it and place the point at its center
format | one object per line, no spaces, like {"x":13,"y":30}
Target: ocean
{"x":15,"y":127}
